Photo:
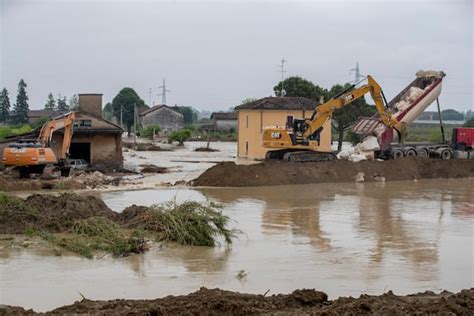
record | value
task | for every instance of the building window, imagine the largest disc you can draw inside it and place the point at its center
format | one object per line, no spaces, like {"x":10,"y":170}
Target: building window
{"x":83,"y":123}
{"x":246,"y":148}
{"x":247,"y":121}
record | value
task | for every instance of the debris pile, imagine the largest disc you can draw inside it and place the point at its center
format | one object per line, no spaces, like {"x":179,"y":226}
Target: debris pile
{"x":365,"y":150}
{"x":94,"y":179}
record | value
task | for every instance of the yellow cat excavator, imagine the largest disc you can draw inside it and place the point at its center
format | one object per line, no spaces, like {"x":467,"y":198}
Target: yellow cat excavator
{"x":36,"y":156}
{"x":298,"y":141}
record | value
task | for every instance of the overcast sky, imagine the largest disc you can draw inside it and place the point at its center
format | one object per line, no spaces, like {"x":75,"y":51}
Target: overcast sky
{"x":213,"y":54}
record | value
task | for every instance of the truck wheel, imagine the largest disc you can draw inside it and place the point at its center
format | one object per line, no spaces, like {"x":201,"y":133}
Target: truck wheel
{"x":397,"y":154}
{"x":410,"y":153}
{"x":446,"y":154}
{"x":422,"y":153}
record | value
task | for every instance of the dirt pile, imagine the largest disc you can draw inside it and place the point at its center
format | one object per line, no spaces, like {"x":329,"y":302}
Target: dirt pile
{"x":51,"y":213}
{"x":300,"y":302}
{"x":228,"y":174}
{"x":150,"y":168}
{"x":205,"y":149}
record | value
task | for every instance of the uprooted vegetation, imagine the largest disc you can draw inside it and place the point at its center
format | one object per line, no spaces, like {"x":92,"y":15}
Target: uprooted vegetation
{"x":85,"y":225}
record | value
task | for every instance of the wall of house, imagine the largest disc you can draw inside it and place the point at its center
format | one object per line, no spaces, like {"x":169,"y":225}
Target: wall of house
{"x":225,"y":125}
{"x":252,"y":122}
{"x":167,"y":119}
{"x":105,"y":149}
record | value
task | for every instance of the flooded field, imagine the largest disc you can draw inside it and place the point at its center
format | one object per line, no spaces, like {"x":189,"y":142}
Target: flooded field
{"x":345,"y":239}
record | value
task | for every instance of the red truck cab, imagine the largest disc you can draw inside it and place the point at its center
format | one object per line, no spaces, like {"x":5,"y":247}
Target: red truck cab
{"x":463,"y":138}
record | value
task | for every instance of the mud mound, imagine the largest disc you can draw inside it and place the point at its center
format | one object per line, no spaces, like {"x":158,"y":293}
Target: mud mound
{"x":50,"y":213}
{"x":206,"y":149}
{"x":149,"y":168}
{"x":300,"y":302}
{"x":228,"y":174}
{"x":9,"y":184}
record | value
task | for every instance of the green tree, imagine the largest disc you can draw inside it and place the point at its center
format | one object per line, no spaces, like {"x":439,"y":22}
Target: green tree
{"x":180,"y":136}
{"x":39,"y":122}
{"x":248,"y":100}
{"x":50,"y":103}
{"x":74,"y":103}
{"x":4,"y":106}
{"x":123,"y":106}
{"x":21,"y":107}
{"x":452,"y":115}
{"x":299,"y":87}
{"x":347,"y":115}
{"x":189,"y":114}
{"x":62,"y":105}
{"x":469,"y":123}
{"x":108,"y":111}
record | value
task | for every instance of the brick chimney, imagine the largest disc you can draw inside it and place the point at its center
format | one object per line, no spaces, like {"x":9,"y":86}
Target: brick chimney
{"x":91,"y":103}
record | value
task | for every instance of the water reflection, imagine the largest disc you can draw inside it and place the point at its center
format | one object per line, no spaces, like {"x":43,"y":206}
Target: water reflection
{"x":396,"y":217}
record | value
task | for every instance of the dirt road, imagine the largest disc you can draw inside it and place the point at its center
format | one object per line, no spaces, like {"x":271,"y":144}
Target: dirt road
{"x":230,"y":174}
{"x":300,"y":302}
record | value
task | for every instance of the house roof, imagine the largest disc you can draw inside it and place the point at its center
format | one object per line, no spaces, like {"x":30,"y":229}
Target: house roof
{"x":41,"y":113}
{"x":224,"y":115}
{"x":98,"y":124}
{"x":279,"y":103}
{"x":157,"y":107}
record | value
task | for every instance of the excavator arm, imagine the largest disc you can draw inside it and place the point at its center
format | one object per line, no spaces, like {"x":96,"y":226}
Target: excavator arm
{"x":65,"y":121}
{"x":325,"y":111}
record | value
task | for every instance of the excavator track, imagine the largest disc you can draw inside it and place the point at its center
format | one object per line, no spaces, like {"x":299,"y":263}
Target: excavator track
{"x":308,"y":156}
{"x":300,"y":156}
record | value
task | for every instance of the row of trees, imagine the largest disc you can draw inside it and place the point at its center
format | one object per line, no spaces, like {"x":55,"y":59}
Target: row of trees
{"x":19,"y":115}
{"x":61,"y":104}
{"x":342,"y":118}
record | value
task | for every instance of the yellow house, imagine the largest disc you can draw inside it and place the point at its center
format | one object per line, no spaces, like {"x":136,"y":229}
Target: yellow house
{"x":253,"y":117}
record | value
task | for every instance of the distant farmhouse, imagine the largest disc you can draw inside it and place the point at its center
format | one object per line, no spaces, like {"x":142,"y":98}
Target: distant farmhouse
{"x":223,"y":121}
{"x":168,"y":118}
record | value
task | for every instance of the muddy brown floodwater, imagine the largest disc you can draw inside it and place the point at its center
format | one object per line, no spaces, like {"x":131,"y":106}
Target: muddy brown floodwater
{"x":343,"y":239}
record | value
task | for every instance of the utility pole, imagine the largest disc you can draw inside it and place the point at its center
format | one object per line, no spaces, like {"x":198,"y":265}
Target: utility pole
{"x":358,"y":77}
{"x":282,"y":68}
{"x":121,"y":116}
{"x":149,"y":98}
{"x":283,"y":71}
{"x":135,"y":122}
{"x":163,"y":92}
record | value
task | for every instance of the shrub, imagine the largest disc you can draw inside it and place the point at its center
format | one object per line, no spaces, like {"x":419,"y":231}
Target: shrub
{"x":180,"y":136}
{"x":148,"y":131}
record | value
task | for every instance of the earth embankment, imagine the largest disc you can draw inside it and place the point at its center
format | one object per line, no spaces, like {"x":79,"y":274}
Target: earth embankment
{"x":300,"y":302}
{"x":229,"y":174}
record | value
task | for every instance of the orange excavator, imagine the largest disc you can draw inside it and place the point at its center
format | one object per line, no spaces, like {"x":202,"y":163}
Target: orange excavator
{"x":36,"y":156}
